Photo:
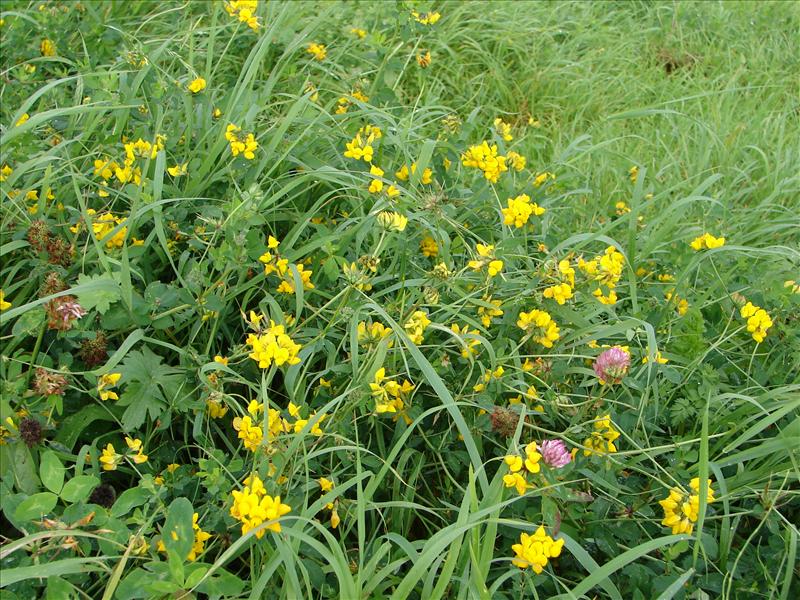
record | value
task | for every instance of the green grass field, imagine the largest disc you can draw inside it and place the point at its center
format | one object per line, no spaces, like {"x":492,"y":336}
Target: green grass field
{"x":399,"y":300}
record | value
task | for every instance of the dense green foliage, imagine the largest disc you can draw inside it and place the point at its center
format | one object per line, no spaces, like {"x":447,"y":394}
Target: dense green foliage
{"x":140,"y":278}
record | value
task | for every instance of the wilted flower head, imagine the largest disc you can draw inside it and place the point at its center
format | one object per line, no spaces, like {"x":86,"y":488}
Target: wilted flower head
{"x":47,"y":383}
{"x":612,"y":364}
{"x":555,"y":453}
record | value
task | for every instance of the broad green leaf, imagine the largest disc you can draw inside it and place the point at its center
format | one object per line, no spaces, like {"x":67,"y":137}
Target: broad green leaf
{"x":36,"y":506}
{"x":51,"y":471}
{"x":100,"y":297}
{"x":177,"y":533}
{"x":78,"y":488}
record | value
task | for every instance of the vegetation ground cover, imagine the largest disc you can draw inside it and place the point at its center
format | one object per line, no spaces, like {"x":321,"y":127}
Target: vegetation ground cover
{"x":399,"y":300}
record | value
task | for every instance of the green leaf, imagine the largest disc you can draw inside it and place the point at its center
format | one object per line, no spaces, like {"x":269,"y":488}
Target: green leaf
{"x":29,"y":323}
{"x":127,"y":500}
{"x":36,"y":506}
{"x":51,"y":471}
{"x":78,"y":488}
{"x":178,"y":534}
{"x":149,"y":384}
{"x":101,"y":297}
{"x":18,"y":458}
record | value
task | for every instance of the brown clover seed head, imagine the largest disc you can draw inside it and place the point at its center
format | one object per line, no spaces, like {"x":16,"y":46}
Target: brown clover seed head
{"x":30,"y":430}
{"x":53,"y":283}
{"x":38,"y":235}
{"x":504,"y":421}
{"x":94,"y":352}
{"x":103,"y":495}
{"x":47,"y":383}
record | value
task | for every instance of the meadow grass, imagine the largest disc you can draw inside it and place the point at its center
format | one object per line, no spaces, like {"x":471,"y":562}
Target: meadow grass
{"x":141,"y":286}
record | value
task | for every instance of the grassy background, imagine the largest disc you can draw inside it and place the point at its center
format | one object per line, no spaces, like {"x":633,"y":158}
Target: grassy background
{"x":702,"y":97}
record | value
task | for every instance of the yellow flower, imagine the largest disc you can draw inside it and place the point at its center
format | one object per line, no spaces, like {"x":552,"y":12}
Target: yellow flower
{"x":503,"y":129}
{"x":426,"y":18}
{"x":602,"y":438}
{"x":659,"y":359}
{"x":429,"y":247}
{"x":707,"y":242}
{"x":244,"y":10}
{"x":250,"y":434}
{"x":560,"y":292}
{"x":252,"y":507}
{"x":415,"y":326}
{"x":178,"y":170}
{"x":5,"y":172}
{"x":514,"y":462}
{"x":109,"y":459}
{"x":359,"y":33}
{"x":487,"y":259}
{"x":22,"y":120}
{"x":681,"y":509}
{"x":197,"y":85}
{"x":487,"y":314}
{"x":136,"y":445}
{"x":107,"y":381}
{"x":544,"y":328}
{"x":240,"y":142}
{"x":370,"y":335}
{"x":633,"y":173}
{"x":47,"y":47}
{"x":4,"y":305}
{"x":376,"y":185}
{"x":516,"y":480}
{"x":515,"y":160}
{"x":542,"y":178}
{"x":325,"y":484}
{"x":424,"y":60}
{"x":221,"y":360}
{"x":273,"y":346}
{"x":532,"y":458}
{"x":534,"y":550}
{"x":392,"y":221}
{"x":485,"y":158}
{"x":758,"y":321}
{"x":318,"y":51}
{"x":519,"y":210}
{"x":215,"y":409}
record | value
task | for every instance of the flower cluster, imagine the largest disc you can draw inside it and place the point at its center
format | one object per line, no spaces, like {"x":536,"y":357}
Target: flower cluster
{"x":534,"y":550}
{"x":517,"y":475}
{"x":108,"y":228}
{"x":197,"y":85}
{"x":563,"y":290}
{"x":485,"y":158}
{"x":487,"y":377}
{"x":605,"y":270}
{"x":612,"y":365}
{"x":707,"y":242}
{"x":486,"y":260}
{"x":253,"y":507}
{"x":544,"y":329}
{"x":318,"y":51}
{"x":273,"y":346}
{"x":503,"y":129}
{"x":403,"y":173}
{"x":601,"y":441}
{"x":389,"y":395}
{"x":110,"y":459}
{"x":109,"y":380}
{"x":241,"y":142}
{"x":681,"y":509}
{"x":361,"y":146}
{"x":519,"y":210}
{"x":392,"y":221}
{"x":273,"y":263}
{"x":489,"y":310}
{"x":426,"y":18}
{"x":371,"y":334}
{"x":244,"y":10}
{"x":415,"y":326}
{"x":758,"y":321}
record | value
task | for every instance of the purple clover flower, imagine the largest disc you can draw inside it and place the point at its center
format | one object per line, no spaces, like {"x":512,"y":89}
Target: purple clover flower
{"x":555,"y":453}
{"x":612,"y":365}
